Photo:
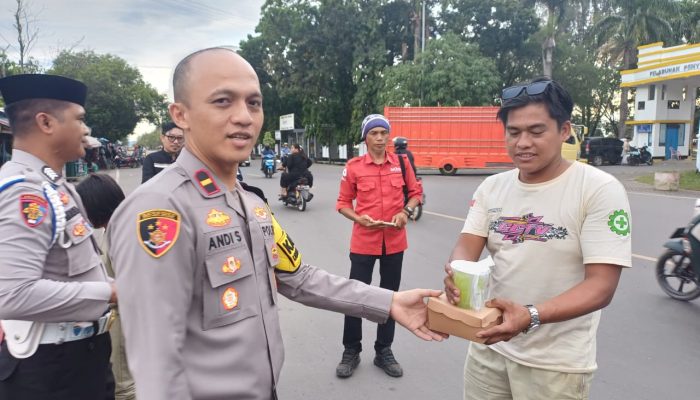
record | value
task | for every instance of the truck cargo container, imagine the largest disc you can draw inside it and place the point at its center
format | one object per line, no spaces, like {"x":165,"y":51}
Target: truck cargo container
{"x":451,"y":138}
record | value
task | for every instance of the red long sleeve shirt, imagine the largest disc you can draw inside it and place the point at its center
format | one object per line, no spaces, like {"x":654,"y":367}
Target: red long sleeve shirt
{"x":378,"y":192}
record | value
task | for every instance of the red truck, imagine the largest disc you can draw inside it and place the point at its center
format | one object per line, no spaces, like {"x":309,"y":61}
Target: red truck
{"x":450,"y":138}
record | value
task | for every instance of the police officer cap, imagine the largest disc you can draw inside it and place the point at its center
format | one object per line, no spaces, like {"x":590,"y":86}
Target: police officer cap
{"x":39,"y":86}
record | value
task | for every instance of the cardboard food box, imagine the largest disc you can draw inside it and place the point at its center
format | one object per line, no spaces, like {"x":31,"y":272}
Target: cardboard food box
{"x":447,"y":318}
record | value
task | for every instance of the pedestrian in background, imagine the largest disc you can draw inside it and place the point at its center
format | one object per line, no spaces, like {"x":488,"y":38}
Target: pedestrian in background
{"x":172,"y":139}
{"x":375,"y":183}
{"x":101,"y":195}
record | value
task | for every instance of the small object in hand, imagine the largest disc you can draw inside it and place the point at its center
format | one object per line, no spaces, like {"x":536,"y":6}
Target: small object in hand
{"x":385,"y":223}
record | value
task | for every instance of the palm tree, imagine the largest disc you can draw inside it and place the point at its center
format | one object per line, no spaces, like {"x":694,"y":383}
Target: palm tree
{"x":555,"y":17}
{"x":618,"y":36}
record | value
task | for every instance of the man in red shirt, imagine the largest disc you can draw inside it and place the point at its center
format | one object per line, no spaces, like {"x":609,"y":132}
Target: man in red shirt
{"x":375,"y":182}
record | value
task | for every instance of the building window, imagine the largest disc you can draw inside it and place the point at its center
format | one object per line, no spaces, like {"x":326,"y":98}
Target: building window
{"x":652,"y":92}
{"x":674,"y":104}
{"x":662,"y":135}
{"x":663,"y":92}
{"x":640,"y":105}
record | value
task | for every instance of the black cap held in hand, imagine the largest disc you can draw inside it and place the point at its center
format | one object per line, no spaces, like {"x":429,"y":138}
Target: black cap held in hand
{"x":40,"y":86}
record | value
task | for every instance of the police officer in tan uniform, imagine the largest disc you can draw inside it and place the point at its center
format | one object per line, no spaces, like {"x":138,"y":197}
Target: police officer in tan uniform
{"x":54,"y":291}
{"x":200,"y":260}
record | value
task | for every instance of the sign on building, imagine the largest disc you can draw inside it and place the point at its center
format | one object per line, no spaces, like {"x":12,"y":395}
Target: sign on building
{"x":287,"y":122}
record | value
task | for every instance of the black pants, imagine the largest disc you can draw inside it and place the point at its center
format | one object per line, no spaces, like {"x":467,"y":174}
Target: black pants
{"x":361,"y":269}
{"x":76,"y":370}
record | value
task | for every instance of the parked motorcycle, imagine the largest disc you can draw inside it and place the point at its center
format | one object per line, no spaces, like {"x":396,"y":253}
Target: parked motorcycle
{"x":121,"y":160}
{"x":639,"y":156}
{"x":268,"y":165}
{"x":678,"y":269}
{"x":298,"y":194}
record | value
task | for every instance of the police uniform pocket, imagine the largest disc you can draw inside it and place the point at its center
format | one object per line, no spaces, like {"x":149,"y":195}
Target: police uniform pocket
{"x":82,"y":255}
{"x":230,"y":293}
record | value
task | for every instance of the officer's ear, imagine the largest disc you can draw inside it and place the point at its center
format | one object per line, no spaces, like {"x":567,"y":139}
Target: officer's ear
{"x":178,"y":113}
{"x":45,"y":122}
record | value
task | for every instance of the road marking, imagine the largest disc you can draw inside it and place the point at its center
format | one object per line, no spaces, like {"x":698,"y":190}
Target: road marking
{"x":443,"y":215}
{"x":664,"y":195}
{"x":645,"y":258}
{"x":639,"y":256}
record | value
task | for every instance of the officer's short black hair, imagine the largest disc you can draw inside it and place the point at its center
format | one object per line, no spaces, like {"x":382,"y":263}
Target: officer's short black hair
{"x":167,"y":127}
{"x":21,"y":114}
{"x":557,"y":100}
{"x":101,"y":195}
{"x":182,"y":70}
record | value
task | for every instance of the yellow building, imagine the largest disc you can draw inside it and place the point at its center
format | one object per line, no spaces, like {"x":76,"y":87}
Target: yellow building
{"x":666,"y":82}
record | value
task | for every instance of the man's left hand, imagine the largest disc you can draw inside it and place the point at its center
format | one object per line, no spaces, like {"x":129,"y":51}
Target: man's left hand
{"x":400,"y":219}
{"x":516,"y":318}
{"x":409,"y":310}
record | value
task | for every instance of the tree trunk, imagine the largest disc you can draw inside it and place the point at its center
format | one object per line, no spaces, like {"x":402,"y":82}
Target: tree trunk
{"x":548,"y":56}
{"x":627,"y":58}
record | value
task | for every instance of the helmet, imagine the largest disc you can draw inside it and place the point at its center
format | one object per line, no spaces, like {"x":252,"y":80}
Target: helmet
{"x":400,"y":143}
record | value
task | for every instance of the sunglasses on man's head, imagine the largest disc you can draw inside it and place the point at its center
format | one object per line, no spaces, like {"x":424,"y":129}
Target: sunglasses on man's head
{"x":531,"y":89}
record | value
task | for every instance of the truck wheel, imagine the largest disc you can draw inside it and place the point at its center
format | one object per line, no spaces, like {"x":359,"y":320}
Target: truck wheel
{"x":448,"y":169}
{"x":597,"y":160}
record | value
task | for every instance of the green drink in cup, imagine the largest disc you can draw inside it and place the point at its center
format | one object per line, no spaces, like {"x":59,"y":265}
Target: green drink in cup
{"x":472,"y":280}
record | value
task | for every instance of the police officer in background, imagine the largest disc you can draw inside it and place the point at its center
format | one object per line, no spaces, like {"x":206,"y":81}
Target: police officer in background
{"x":54,"y":290}
{"x":172,"y":138}
{"x":200,"y":260}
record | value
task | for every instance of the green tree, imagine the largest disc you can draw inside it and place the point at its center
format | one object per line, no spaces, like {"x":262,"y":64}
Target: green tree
{"x":453,"y":73}
{"x":268,"y":139}
{"x":501,"y":28}
{"x":634,"y":23}
{"x":686,"y":22}
{"x":118,"y":97}
{"x":150,"y":140}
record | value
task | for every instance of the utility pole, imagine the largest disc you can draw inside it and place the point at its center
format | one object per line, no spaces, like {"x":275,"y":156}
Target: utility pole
{"x":422,"y":43}
{"x":422,"y":50}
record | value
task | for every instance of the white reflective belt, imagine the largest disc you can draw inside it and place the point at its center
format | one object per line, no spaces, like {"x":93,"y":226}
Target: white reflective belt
{"x":60,"y":332}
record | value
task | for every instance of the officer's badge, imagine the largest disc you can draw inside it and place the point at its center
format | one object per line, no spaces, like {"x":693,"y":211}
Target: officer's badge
{"x":260,"y":213}
{"x":64,"y":198}
{"x":50,"y":174}
{"x":231,"y":265}
{"x":158,"y":230}
{"x":206,"y":182}
{"x":229,"y":299}
{"x":34,"y":209}
{"x":80,"y":229}
{"x":217,"y":218}
{"x":275,"y":253}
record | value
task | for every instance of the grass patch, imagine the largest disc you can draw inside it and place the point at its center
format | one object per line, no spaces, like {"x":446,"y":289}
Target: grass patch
{"x":690,"y":180}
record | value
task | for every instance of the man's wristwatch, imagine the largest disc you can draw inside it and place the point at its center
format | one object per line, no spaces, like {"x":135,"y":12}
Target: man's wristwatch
{"x":408,"y":210}
{"x":534,"y":319}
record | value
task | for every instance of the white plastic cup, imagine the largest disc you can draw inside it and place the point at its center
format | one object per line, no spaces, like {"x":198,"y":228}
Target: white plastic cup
{"x":472,"y":280}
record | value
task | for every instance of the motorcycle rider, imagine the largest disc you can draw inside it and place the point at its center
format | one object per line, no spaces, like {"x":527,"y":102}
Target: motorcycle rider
{"x":266,"y":153}
{"x":401,"y":147}
{"x":297,"y":166}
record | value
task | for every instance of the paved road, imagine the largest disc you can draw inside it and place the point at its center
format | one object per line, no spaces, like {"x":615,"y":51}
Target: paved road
{"x":648,"y":344}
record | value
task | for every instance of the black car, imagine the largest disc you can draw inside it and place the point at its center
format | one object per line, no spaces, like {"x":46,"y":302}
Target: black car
{"x":599,"y":150}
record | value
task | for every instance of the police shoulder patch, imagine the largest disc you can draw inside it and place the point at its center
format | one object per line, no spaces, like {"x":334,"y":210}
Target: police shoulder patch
{"x":158,"y":230}
{"x":33,"y":209}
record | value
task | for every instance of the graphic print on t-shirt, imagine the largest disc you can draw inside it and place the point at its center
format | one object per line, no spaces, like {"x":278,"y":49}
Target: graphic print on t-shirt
{"x":527,"y":227}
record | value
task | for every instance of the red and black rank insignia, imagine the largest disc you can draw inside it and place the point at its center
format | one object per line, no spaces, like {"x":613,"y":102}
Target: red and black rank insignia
{"x":158,"y":230}
{"x":206,"y":181}
{"x":34,"y":209}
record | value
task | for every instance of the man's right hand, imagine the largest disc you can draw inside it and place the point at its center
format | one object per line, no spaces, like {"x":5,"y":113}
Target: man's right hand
{"x":450,"y":289}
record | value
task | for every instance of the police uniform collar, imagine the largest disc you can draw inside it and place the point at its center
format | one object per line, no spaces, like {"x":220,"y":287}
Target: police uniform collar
{"x":389,"y":157}
{"x":33,"y":162}
{"x":204,"y":180}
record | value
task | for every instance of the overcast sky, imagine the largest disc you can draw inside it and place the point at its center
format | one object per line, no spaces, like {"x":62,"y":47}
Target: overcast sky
{"x":152,"y":35}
